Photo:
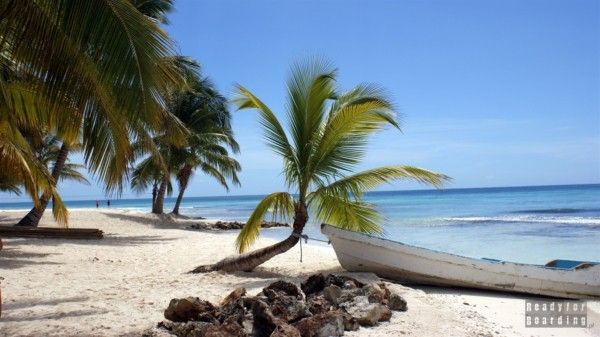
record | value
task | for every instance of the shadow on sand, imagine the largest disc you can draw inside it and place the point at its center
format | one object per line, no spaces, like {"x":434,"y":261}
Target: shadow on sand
{"x":108,"y":240}
{"x":473,"y":292}
{"x":13,"y":258}
{"x":54,"y":315}
{"x":163,"y":221}
{"x":262,"y":277}
{"x":19,"y":304}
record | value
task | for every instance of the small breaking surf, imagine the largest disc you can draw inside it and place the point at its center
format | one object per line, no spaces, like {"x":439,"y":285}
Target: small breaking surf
{"x":569,"y":220}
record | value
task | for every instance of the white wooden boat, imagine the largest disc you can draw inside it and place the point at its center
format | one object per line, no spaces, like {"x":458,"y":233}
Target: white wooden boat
{"x":410,"y":264}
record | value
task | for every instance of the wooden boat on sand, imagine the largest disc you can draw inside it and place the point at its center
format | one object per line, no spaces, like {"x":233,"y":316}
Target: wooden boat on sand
{"x":410,"y":264}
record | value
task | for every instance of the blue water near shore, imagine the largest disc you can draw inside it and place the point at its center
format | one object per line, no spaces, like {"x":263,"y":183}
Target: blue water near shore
{"x":524,"y":224}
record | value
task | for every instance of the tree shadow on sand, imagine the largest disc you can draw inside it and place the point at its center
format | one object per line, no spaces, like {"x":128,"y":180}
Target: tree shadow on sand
{"x":163,"y":221}
{"x":263,"y":276}
{"x":19,"y":304}
{"x":13,"y":258}
{"x":53,"y":315}
{"x":8,"y":220}
{"x":434,"y":290}
{"x":108,"y":240}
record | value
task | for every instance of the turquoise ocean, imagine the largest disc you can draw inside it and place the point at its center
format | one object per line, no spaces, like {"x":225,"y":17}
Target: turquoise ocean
{"x":523,"y":224}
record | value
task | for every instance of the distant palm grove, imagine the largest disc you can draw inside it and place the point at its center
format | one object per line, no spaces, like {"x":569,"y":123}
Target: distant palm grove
{"x":102,"y":77}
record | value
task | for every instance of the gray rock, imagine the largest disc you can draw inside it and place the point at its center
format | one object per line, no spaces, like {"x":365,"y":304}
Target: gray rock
{"x":285,"y":330}
{"x":374,"y":293}
{"x":228,"y":329}
{"x":313,"y":284}
{"x":397,"y":303}
{"x":284,"y":287}
{"x":327,"y":324}
{"x":317,"y":304}
{"x":343,"y":282}
{"x":350,"y":323}
{"x":264,"y":322}
{"x":386,"y":290}
{"x":189,"y":309}
{"x":234,"y":312}
{"x":185,"y":329}
{"x":289,"y":308}
{"x":367,"y":314}
{"x":236,"y":294}
{"x":332,"y":293}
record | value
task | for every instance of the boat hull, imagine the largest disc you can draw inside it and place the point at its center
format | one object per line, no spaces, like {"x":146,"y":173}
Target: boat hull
{"x":409,"y":264}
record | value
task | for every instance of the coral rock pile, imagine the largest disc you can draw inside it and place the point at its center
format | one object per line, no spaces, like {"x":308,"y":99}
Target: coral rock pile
{"x":323,"y":305}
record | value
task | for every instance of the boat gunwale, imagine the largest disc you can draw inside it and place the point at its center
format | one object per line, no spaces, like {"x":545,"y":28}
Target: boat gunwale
{"x":324,"y":226}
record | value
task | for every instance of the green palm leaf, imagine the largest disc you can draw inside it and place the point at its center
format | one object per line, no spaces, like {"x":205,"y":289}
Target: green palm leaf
{"x":279,"y":204}
{"x":345,"y":213}
{"x":355,"y":185}
{"x":274,"y":132}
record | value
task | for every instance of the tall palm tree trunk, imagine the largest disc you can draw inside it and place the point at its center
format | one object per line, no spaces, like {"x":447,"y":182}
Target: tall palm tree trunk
{"x":184,"y":178}
{"x":154,"y":192}
{"x":32,"y":219}
{"x":251,"y":260}
{"x":157,"y":207}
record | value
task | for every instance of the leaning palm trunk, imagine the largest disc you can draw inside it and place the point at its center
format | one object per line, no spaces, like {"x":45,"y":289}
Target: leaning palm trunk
{"x":251,"y":260}
{"x":32,"y":219}
{"x":184,"y":178}
{"x":157,"y":207}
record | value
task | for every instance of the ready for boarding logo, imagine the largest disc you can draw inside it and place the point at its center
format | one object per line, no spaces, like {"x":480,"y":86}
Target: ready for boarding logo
{"x":555,"y":314}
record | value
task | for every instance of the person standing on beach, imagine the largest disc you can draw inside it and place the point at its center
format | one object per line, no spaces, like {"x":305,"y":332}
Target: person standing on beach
{"x":108,"y":203}
{"x":97,"y":203}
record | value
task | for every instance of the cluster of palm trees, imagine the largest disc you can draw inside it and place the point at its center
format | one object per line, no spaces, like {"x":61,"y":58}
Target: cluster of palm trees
{"x":102,"y":77}
{"x":204,"y":113}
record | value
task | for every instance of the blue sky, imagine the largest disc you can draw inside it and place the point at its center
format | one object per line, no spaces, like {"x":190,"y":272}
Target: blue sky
{"x":492,"y":93}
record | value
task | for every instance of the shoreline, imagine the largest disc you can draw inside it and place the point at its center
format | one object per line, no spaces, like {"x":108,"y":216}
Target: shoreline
{"x":119,"y":286}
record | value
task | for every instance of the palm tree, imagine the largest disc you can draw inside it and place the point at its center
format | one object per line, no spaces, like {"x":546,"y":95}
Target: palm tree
{"x":326,"y":138}
{"x":203,"y":111}
{"x":51,"y":152}
{"x":212,"y":159}
{"x":90,"y":69}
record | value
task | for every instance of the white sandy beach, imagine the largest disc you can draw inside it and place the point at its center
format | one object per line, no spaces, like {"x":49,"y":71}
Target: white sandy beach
{"x":119,"y":286}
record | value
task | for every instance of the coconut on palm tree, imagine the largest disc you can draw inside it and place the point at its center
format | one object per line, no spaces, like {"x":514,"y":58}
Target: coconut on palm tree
{"x":322,"y":140}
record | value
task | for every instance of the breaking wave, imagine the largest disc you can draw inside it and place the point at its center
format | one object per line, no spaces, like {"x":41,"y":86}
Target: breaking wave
{"x":594,"y":221}
{"x":557,"y":211}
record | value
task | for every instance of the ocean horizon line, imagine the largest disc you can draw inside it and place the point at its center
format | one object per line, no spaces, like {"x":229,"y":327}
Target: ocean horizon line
{"x":425,"y":190}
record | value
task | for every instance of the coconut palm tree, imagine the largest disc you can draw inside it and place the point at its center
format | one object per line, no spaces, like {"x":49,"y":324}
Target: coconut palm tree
{"x":212,"y":159}
{"x":92,"y":70}
{"x":203,"y":111}
{"x":325,"y":139}
{"x":51,"y":152}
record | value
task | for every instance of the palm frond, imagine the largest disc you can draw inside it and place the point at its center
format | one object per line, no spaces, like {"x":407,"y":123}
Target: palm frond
{"x":345,"y":213}
{"x":356,"y":184}
{"x":345,"y":134}
{"x":280,"y":204}
{"x":59,"y":210}
{"x":274,"y":132}
{"x":70,"y":171}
